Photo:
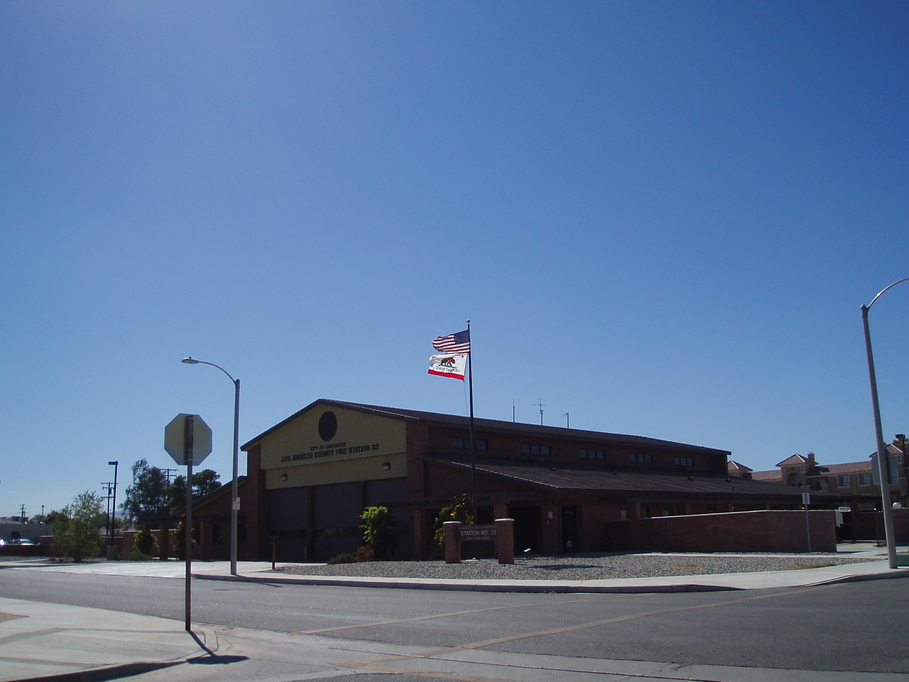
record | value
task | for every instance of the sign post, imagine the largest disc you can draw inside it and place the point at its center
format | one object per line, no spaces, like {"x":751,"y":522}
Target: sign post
{"x":187,"y":439}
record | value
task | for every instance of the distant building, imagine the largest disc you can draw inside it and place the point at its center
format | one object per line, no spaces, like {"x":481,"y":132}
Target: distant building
{"x":853,"y":480}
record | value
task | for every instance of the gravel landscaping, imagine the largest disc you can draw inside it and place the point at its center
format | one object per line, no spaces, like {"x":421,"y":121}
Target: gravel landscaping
{"x":574,"y":567}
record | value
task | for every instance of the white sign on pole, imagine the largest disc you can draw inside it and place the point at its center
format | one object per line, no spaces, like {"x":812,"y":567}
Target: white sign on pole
{"x":175,"y":439}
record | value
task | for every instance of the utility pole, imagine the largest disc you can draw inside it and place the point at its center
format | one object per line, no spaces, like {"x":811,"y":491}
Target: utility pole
{"x":113,"y":524}
{"x":108,"y":486}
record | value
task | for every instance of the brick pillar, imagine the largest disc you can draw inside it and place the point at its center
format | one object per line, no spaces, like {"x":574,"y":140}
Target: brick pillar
{"x":500,"y":511}
{"x":452,"y":542}
{"x":254,"y":506}
{"x":201,"y":551}
{"x":634,"y":526}
{"x":164,"y":541}
{"x":505,"y":541}
{"x":421,"y":534}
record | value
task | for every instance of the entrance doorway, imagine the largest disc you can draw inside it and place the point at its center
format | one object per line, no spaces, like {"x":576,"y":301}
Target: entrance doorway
{"x":569,"y":529}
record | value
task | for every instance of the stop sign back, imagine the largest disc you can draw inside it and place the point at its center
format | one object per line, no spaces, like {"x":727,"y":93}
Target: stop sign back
{"x":187,"y":433}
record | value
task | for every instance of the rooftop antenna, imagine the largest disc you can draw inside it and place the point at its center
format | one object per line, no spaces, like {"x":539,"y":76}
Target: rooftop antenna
{"x":541,"y":406}
{"x":512,"y":411}
{"x":567,"y":421}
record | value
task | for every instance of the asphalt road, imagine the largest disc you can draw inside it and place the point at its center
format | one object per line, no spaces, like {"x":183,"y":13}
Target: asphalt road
{"x":857,"y":627}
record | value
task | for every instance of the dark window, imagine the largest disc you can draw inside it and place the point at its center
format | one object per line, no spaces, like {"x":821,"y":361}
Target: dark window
{"x":684,"y":461}
{"x":535,"y":449}
{"x":592,"y":454}
{"x":642,"y":459}
{"x":464,"y":443}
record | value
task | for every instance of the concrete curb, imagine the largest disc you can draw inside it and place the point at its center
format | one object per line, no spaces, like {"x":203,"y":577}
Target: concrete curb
{"x":538,"y":587}
{"x":395,"y":584}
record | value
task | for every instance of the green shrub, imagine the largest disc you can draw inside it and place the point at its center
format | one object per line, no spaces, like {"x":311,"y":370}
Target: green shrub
{"x":145,"y":543}
{"x":133,"y":555}
{"x":344,"y":558}
{"x":456,"y":511}
{"x":380,"y":531}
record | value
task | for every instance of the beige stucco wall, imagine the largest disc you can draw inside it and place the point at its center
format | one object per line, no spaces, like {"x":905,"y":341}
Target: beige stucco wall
{"x":361,"y":449}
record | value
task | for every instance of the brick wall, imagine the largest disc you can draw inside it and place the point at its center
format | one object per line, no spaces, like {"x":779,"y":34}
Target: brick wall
{"x":870,"y":526}
{"x":754,"y":531}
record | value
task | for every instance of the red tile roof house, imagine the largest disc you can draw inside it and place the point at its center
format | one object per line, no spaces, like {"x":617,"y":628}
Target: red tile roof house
{"x":855,"y":482}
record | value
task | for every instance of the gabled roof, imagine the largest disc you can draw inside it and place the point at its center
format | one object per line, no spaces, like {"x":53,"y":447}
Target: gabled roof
{"x":794,"y":459}
{"x":735,"y":466}
{"x":586,"y":479}
{"x":490,"y":425}
{"x":772,"y":475}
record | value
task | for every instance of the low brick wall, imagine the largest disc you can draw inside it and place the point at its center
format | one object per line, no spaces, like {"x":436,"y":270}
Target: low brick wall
{"x":870,"y":526}
{"x":751,"y":531}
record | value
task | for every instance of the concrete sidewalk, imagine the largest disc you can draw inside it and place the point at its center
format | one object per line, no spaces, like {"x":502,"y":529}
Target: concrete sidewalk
{"x":55,"y":642}
{"x":40,"y":641}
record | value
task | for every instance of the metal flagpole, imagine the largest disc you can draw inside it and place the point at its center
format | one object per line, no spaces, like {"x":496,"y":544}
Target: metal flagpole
{"x":473,"y":445}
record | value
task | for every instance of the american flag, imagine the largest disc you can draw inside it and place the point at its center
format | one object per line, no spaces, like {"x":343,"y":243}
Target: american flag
{"x":453,"y":343}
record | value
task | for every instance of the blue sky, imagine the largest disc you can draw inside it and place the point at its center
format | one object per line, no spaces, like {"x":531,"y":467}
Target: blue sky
{"x":661,"y":218}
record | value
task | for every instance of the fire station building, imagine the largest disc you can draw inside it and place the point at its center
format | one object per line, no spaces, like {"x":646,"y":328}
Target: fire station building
{"x":568,"y":490}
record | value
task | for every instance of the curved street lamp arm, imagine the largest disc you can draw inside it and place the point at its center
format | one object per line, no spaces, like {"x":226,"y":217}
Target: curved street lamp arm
{"x":868,"y":307}
{"x":193,"y":361}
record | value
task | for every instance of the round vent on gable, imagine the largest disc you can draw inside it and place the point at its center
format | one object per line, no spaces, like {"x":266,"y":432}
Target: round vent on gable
{"x":328,"y":426}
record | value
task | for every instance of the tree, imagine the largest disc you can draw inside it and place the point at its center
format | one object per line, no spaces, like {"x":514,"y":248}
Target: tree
{"x":205,"y":482}
{"x":147,"y":496}
{"x":456,"y":511}
{"x":77,"y":529}
{"x":380,"y":531}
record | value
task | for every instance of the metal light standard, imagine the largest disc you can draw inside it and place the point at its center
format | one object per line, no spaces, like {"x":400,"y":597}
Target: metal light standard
{"x":882,"y":468}
{"x":234,"y":494}
{"x":901,"y":437}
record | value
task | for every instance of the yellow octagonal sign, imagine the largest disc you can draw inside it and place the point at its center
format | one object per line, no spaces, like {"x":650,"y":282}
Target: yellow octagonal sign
{"x":187,"y":439}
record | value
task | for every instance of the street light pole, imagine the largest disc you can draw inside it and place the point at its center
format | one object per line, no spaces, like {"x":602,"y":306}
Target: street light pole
{"x":234,"y":493}
{"x":882,"y":469}
{"x":901,"y":437}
